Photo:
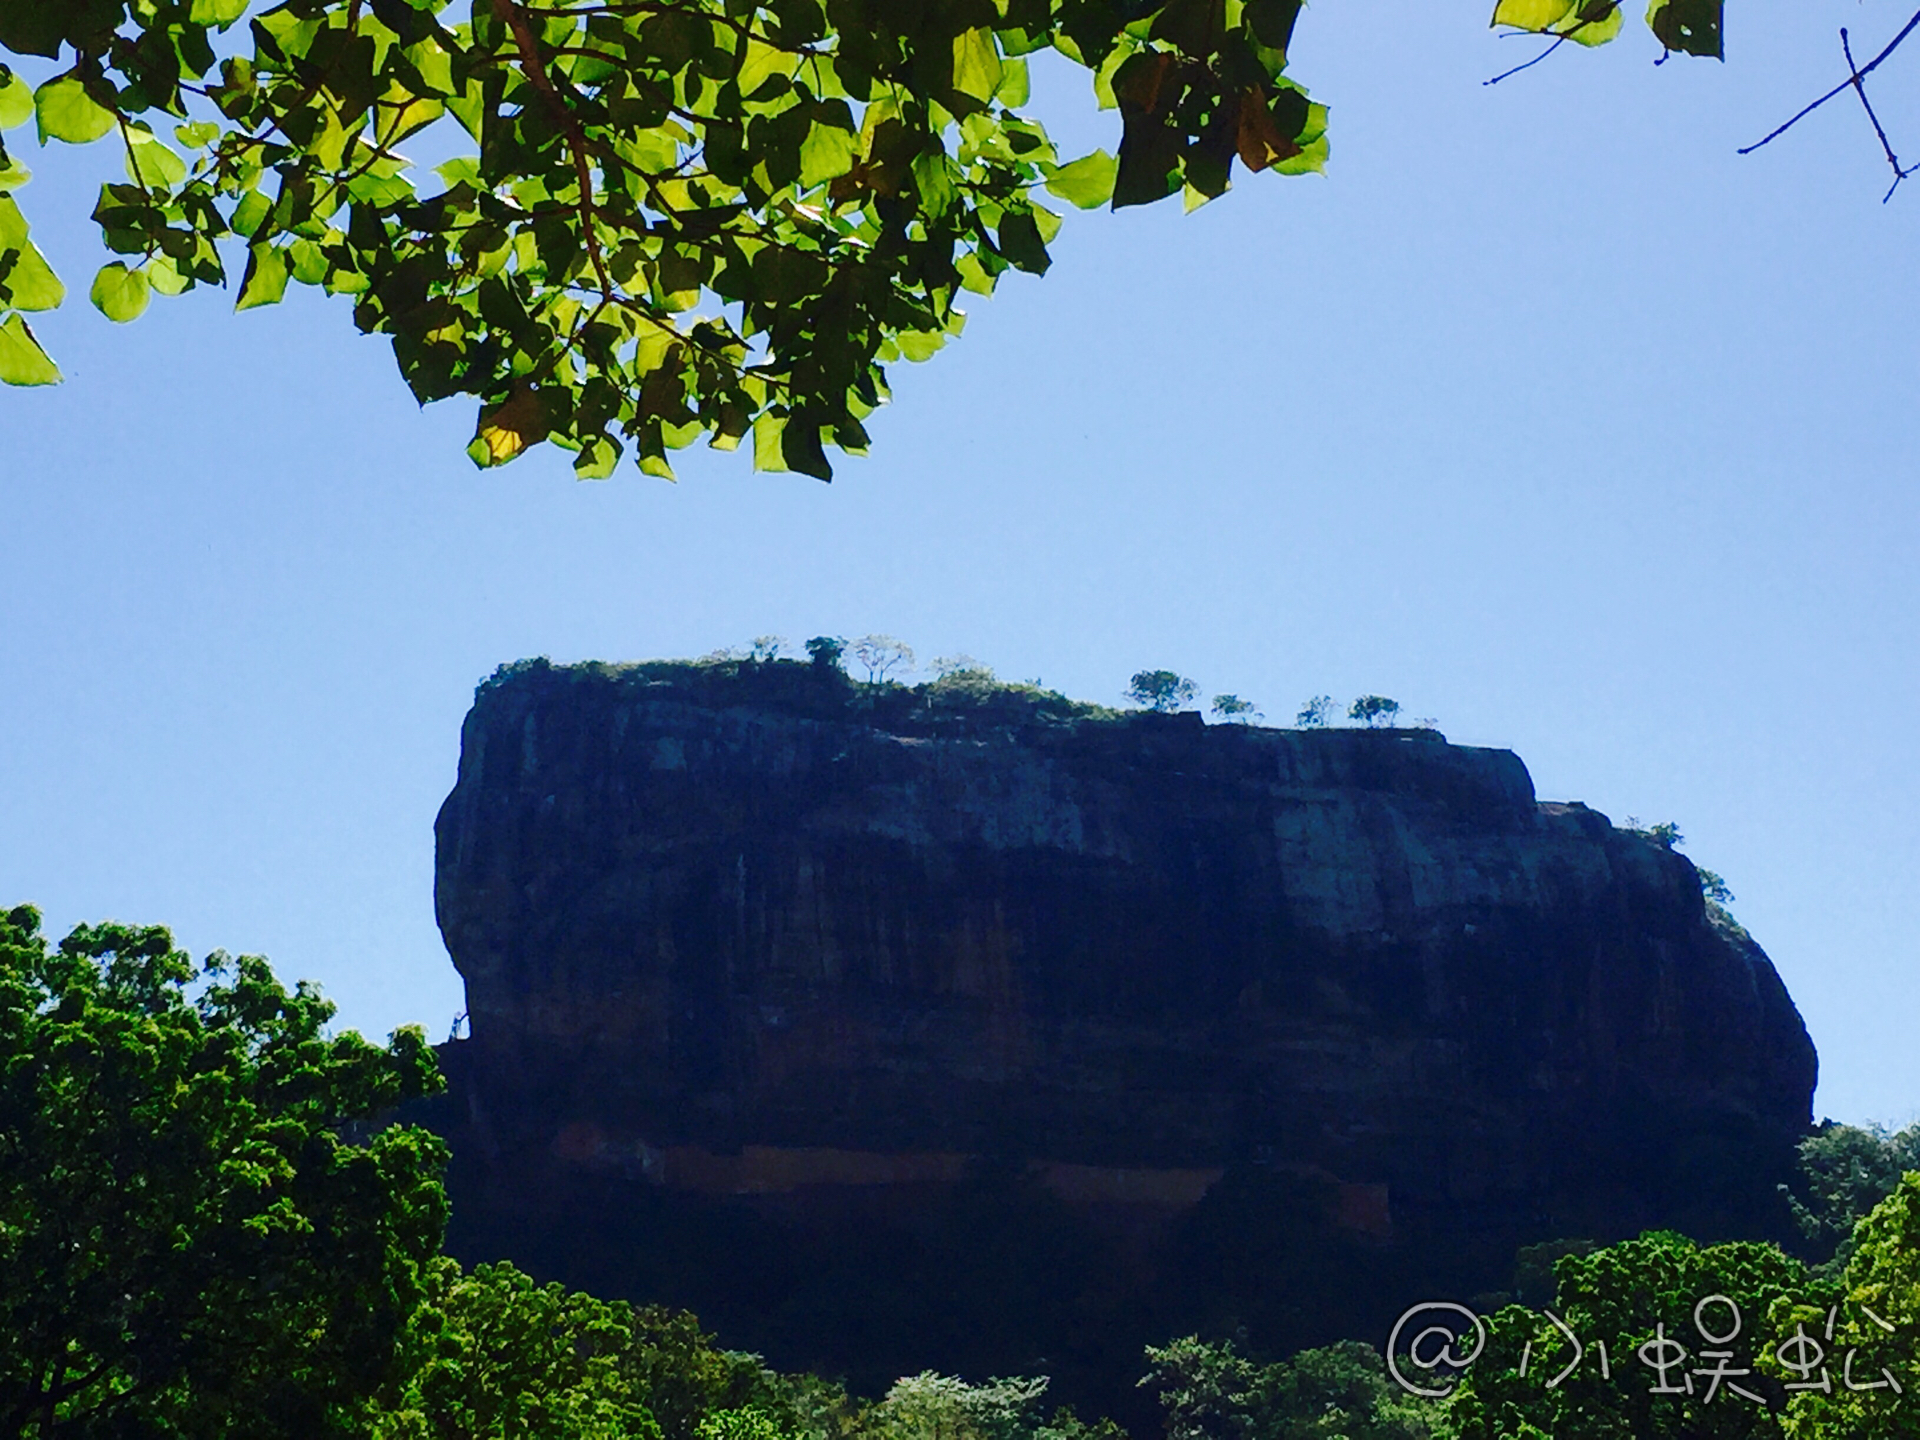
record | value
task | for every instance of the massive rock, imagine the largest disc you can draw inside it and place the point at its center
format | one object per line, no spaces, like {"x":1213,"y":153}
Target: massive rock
{"x":772,"y":975}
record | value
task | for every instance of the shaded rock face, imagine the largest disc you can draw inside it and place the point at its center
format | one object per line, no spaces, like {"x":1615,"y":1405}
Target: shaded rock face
{"x":753,"y":947}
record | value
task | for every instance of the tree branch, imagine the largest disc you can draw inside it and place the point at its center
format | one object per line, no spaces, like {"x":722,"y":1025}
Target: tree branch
{"x":1856,"y":75}
{"x":515,"y":20}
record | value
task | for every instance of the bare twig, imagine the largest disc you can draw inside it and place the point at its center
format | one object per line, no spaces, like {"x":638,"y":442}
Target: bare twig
{"x":1878,"y":129}
{"x":1558,"y":42}
{"x":1856,"y":74}
{"x":1560,"y":38}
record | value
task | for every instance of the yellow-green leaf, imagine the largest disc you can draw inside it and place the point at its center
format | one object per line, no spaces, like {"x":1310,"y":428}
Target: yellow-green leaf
{"x":120,"y":294}
{"x":596,"y":458}
{"x":762,"y":60}
{"x":1594,"y":22}
{"x":218,"y":12}
{"x":266,"y":279}
{"x":27,"y":282}
{"x":1085,"y":182}
{"x":767,"y":431}
{"x":66,"y":112}
{"x":250,"y":214}
{"x":506,"y":430}
{"x":22,"y":361}
{"x":1311,"y":160}
{"x":1015,"y":87}
{"x":165,"y":278}
{"x":16,"y":103}
{"x":13,"y":175}
{"x":826,"y":153}
{"x":976,"y":64}
{"x":1532,"y":14}
{"x":151,"y":163}
{"x":197,"y":134}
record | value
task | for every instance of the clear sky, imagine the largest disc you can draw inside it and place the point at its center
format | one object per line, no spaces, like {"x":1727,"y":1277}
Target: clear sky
{"x":1542,"y":411}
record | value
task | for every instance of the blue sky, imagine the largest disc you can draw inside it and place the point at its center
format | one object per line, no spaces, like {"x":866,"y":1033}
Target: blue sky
{"x":1542,"y":411}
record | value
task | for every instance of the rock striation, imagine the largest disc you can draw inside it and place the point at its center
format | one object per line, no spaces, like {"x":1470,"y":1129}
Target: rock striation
{"x":754,"y":941}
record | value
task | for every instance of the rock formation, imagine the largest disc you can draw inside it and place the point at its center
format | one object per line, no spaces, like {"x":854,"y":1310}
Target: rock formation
{"x":775,"y":977}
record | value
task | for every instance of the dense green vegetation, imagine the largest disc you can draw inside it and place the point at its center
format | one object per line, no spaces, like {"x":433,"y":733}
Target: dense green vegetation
{"x":835,"y":173}
{"x":206,"y":1229}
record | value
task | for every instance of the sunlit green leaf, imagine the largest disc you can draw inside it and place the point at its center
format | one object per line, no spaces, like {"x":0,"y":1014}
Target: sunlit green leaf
{"x":66,"y":112}
{"x":1594,"y":22}
{"x":266,"y":278}
{"x":16,"y":103}
{"x":1532,"y":14}
{"x":1086,"y":182}
{"x":597,"y":459}
{"x":165,"y":278}
{"x":218,"y":12}
{"x":22,"y":361}
{"x":762,"y":61}
{"x":976,"y":64}
{"x":250,"y":213}
{"x":827,"y":152}
{"x":1015,"y":87}
{"x":767,"y":432}
{"x":151,"y":163}
{"x":120,"y":294}
{"x":13,"y":175}
{"x":27,"y":282}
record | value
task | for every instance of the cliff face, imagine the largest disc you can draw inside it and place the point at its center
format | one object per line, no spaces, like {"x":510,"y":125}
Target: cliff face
{"x":751,"y":936}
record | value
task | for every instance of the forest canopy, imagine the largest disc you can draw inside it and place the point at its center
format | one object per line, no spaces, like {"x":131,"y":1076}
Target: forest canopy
{"x":827,"y":176}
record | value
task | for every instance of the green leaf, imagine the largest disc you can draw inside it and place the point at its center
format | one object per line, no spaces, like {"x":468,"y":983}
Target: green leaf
{"x":976,"y":64}
{"x":151,"y":163}
{"x":827,"y":153}
{"x":1692,"y":26}
{"x":1020,"y":242}
{"x":762,"y":61}
{"x":1085,"y":182}
{"x":13,"y":175}
{"x":1595,"y":22}
{"x":1015,"y":87}
{"x":250,"y":214}
{"x":66,"y":112}
{"x":197,"y":135}
{"x":120,"y":294}
{"x":27,"y":282}
{"x":218,"y":12}
{"x":16,"y":103}
{"x":22,"y":361}
{"x":935,"y":185}
{"x":266,"y":278}
{"x":596,"y":458}
{"x":768,"y":430}
{"x":165,"y":278}
{"x":1532,"y":14}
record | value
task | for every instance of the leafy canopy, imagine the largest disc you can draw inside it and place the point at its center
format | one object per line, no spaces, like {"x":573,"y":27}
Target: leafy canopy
{"x":1160,"y":690}
{"x":824,"y":176}
{"x":190,"y":1244}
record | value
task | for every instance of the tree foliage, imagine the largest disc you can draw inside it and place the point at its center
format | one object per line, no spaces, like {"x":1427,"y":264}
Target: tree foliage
{"x":828,"y":176}
{"x":833,"y":172}
{"x":1846,"y":1171}
{"x":1232,"y":707}
{"x":1314,"y":712}
{"x":1374,"y":710}
{"x":1211,"y":1391}
{"x":1160,"y":690}
{"x":190,"y":1243}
